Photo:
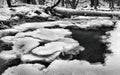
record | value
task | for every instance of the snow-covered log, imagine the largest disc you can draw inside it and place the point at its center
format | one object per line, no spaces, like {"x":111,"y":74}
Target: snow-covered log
{"x":66,"y":11}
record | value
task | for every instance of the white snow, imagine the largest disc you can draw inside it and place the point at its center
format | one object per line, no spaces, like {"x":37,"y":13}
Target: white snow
{"x":113,"y":60}
{"x":46,"y":34}
{"x":63,"y":45}
{"x":7,"y":55}
{"x":25,"y":69}
{"x":25,"y":45}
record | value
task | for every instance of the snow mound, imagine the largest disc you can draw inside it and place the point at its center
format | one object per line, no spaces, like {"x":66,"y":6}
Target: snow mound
{"x":8,"y":32}
{"x":37,"y":25}
{"x":5,"y":14}
{"x":63,"y":45}
{"x":25,"y":69}
{"x":8,"y":55}
{"x":25,"y":45}
{"x":32,"y":57}
{"x":96,"y":23}
{"x":46,"y":34}
{"x":75,"y":67}
{"x":113,"y":60}
{"x":8,"y":39}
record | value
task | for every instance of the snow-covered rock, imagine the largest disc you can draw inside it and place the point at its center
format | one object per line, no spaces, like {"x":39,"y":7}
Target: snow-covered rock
{"x":25,"y":45}
{"x":52,"y":50}
{"x":25,"y":69}
{"x":46,"y":34}
{"x":96,"y":23}
{"x":8,"y":32}
{"x":7,"y":55}
{"x":31,"y":57}
{"x":75,"y":67}
{"x":8,"y":39}
{"x":37,"y":25}
{"x":100,"y":23}
{"x":5,"y":14}
{"x":62,"y":45}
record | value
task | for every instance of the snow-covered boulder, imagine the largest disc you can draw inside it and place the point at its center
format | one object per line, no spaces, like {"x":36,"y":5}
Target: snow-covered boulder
{"x":25,"y":45}
{"x":8,"y":39}
{"x":37,"y":25}
{"x":5,"y":14}
{"x":100,"y":23}
{"x":8,"y":55}
{"x":8,"y":32}
{"x":96,"y":23}
{"x":46,"y":34}
{"x":25,"y":69}
{"x":75,"y":67}
{"x":63,"y":45}
{"x":32,"y":57}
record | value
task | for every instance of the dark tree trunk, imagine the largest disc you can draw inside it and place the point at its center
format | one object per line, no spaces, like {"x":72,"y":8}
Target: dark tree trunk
{"x":118,"y":4}
{"x":63,"y":3}
{"x":28,"y":1}
{"x":41,"y":2}
{"x":94,"y":3}
{"x":72,"y":3}
{"x":111,"y":4}
{"x":9,"y":3}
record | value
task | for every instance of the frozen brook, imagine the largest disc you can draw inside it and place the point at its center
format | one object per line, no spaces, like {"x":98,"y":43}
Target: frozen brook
{"x":73,"y":49}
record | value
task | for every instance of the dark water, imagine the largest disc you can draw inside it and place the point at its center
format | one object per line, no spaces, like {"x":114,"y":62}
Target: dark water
{"x":9,"y":63}
{"x":3,"y":47}
{"x":95,"y":49}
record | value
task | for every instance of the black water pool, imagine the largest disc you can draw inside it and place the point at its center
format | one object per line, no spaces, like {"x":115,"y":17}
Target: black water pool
{"x":95,"y":49}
